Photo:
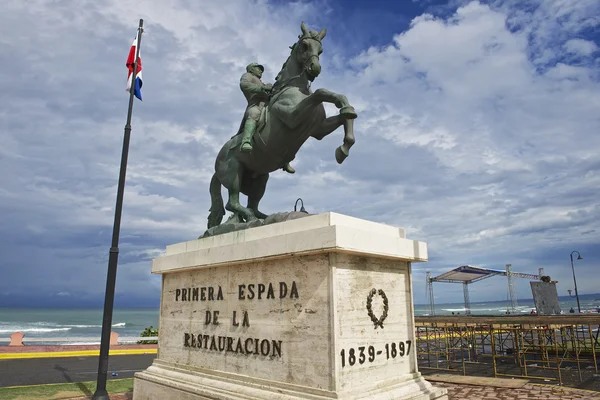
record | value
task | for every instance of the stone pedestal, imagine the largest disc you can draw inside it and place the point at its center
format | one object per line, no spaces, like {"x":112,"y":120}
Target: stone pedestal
{"x":315,"y":308}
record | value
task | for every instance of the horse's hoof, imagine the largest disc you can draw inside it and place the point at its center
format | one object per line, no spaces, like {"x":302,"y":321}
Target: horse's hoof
{"x":348,"y":112}
{"x":341,"y":154}
{"x":260,"y":215}
{"x":253,"y":223}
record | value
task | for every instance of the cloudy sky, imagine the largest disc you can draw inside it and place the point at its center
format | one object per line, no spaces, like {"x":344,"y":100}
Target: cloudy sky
{"x":478,"y":132}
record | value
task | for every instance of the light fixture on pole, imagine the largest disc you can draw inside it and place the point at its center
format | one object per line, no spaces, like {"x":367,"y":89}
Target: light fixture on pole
{"x":574,"y":280}
{"x":302,"y":209}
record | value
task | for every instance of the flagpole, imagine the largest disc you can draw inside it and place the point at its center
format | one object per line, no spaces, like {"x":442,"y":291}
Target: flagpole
{"x":109,"y":296}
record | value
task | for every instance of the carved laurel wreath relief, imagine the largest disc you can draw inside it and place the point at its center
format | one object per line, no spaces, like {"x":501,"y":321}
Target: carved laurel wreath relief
{"x":377,"y":321}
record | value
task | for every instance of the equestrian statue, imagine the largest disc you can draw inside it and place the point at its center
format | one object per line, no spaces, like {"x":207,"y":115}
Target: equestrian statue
{"x":257,"y":94}
{"x":278,"y":120}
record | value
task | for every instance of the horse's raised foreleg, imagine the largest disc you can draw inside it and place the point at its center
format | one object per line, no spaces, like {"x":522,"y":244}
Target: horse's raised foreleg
{"x":329,"y":125}
{"x":293,"y":114}
{"x":340,"y":101}
{"x":344,"y":150}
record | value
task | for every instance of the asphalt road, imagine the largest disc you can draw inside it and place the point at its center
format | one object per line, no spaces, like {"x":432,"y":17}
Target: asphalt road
{"x":34,"y":371}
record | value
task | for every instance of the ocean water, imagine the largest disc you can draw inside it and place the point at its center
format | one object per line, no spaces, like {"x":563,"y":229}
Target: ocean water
{"x":75,"y":323}
{"x":589,"y":304}
{"x":71,"y":323}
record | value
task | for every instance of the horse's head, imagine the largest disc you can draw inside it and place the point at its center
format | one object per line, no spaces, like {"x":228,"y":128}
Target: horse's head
{"x":308,"y":49}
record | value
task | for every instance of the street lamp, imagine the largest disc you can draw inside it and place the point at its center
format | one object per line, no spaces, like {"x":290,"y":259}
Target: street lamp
{"x":574,"y":281}
{"x":302,"y":209}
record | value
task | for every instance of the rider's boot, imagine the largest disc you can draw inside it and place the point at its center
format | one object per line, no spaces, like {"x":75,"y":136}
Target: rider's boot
{"x":249,"y":127}
{"x":288,"y":168}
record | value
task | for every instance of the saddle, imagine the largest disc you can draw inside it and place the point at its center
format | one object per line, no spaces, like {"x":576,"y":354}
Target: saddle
{"x":262,"y":122}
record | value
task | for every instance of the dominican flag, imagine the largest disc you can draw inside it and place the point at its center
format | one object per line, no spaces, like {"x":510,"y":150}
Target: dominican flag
{"x":138,"y":76}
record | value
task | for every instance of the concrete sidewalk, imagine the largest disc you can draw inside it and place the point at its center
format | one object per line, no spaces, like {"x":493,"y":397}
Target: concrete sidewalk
{"x":122,"y":396}
{"x":458,"y":391}
{"x":528,"y":391}
{"x":478,"y":388}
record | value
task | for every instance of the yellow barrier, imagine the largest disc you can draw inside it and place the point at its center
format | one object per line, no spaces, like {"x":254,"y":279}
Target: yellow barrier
{"x":80,"y":353}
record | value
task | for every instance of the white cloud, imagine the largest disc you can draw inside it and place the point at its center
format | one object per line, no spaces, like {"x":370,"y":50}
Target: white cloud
{"x":465,"y":91}
{"x":581,"y":47}
{"x":477,"y":131}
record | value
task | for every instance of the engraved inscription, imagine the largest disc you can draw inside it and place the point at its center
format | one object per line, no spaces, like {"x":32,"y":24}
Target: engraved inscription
{"x":369,"y":354}
{"x":199,"y":294}
{"x":249,"y":346}
{"x":214,"y":317}
{"x":245,"y":322}
{"x":252,"y":291}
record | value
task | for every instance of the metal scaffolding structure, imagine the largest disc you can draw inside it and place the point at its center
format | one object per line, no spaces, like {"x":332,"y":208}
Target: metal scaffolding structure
{"x":430,"y":294}
{"x":467,"y":274}
{"x":550,"y":348}
{"x":466,"y":296}
{"x":511,"y":290}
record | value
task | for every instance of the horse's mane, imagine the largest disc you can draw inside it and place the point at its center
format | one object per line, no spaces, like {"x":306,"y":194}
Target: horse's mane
{"x":292,"y":47}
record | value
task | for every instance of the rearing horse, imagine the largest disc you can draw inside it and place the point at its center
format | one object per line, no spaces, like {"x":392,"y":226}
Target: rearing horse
{"x":294,"y":113}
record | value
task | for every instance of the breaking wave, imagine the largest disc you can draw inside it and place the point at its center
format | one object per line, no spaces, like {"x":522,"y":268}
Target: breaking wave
{"x":48,"y":327}
{"x":31,"y":330}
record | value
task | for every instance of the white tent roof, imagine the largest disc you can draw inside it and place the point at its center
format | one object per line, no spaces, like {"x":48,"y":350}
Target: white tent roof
{"x":467,"y":273}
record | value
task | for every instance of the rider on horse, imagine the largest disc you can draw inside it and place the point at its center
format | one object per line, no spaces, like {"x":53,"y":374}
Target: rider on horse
{"x":257,"y":94}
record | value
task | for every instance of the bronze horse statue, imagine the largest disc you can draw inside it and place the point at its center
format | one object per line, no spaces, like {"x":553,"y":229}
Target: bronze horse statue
{"x":293,"y":114}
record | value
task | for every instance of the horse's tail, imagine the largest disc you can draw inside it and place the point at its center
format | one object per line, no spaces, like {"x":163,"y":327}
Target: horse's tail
{"x":217,"y":211}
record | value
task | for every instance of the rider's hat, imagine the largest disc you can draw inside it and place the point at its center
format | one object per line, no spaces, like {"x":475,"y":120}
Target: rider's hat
{"x":252,"y":65}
